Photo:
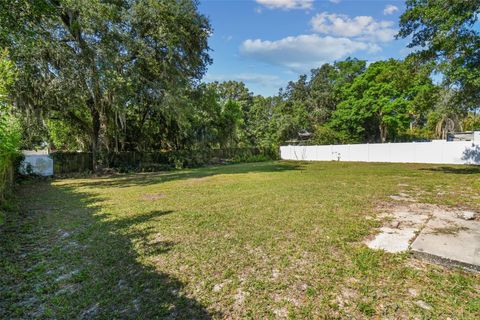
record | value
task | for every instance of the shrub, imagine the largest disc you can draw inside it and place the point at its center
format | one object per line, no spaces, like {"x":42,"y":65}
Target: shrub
{"x":471,"y":122}
{"x":327,"y":135}
{"x":251,"y":158}
{"x":72,"y":162}
{"x":415,"y":134}
{"x":9,"y":130}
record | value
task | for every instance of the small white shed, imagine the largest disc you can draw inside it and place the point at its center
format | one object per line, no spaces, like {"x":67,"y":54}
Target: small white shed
{"x":36,"y":162}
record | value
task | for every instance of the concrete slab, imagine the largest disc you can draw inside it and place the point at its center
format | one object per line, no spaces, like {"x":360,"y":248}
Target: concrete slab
{"x":402,"y":225}
{"x":446,"y":236}
{"x":450,"y":240}
{"x":392,"y":240}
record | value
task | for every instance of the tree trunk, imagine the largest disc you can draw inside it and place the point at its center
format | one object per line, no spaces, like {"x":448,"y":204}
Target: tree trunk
{"x":383,"y":133}
{"x":95,"y":134}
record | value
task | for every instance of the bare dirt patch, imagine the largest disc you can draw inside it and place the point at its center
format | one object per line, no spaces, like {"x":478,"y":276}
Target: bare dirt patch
{"x":403,"y":197}
{"x":196,"y":181}
{"x":153,"y":196}
{"x":451,"y":230}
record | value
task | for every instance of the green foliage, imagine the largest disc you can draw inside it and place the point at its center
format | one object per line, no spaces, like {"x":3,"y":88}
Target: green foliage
{"x":64,"y":136}
{"x":230,"y":120}
{"x":416,"y":134}
{"x":446,"y":116}
{"x":381,"y":103}
{"x":116,"y":70}
{"x":471,"y":122}
{"x":122,"y":76}
{"x":9,"y":127}
{"x":80,"y":162}
{"x":251,"y":158}
{"x":327,"y":135}
{"x":446,"y":31}
{"x":311,"y":102}
{"x":263,"y":121}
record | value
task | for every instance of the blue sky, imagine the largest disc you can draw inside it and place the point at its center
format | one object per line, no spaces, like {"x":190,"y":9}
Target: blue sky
{"x":266,"y":43}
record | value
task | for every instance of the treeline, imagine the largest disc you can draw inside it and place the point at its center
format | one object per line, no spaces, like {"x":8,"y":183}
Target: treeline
{"x":343,"y":102}
{"x":350,"y":102}
{"x":111,"y":76}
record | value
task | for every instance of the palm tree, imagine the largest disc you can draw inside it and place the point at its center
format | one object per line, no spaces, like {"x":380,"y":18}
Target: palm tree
{"x":449,"y":116}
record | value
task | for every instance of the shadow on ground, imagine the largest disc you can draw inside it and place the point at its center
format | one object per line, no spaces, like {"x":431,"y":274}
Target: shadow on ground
{"x":455,"y":170}
{"x":138,"y":179}
{"x":63,"y":258}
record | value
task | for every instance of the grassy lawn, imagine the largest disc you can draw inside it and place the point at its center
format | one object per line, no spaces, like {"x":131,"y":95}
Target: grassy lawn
{"x":263,"y":240}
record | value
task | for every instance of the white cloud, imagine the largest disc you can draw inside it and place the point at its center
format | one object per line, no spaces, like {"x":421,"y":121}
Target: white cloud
{"x":335,"y":1}
{"x":360,"y":27}
{"x":406,"y":51}
{"x":390,"y":9}
{"x":287,"y":4}
{"x":264,"y":80}
{"x":303,"y":52}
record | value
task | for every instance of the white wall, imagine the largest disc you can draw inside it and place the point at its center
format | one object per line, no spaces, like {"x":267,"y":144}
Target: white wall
{"x":446,"y":152}
{"x":39,"y":162}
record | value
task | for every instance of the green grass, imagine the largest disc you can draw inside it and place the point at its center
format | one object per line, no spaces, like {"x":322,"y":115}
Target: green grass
{"x":262,"y":240}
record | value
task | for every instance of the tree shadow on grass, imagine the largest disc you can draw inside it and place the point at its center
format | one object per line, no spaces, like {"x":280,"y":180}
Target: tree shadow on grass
{"x":66,"y":258}
{"x":470,"y":155}
{"x":136,"y":179}
{"x":468,"y":169}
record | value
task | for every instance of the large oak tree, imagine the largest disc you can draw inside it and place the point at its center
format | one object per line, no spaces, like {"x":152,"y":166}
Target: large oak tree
{"x":94,"y":63}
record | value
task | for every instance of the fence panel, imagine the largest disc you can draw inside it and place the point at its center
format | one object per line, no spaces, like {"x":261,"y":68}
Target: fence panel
{"x":447,"y":152}
{"x":70,"y":162}
{"x":74,"y":162}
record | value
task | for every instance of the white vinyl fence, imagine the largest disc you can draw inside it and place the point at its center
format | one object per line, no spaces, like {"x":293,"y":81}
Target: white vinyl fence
{"x":446,"y":152}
